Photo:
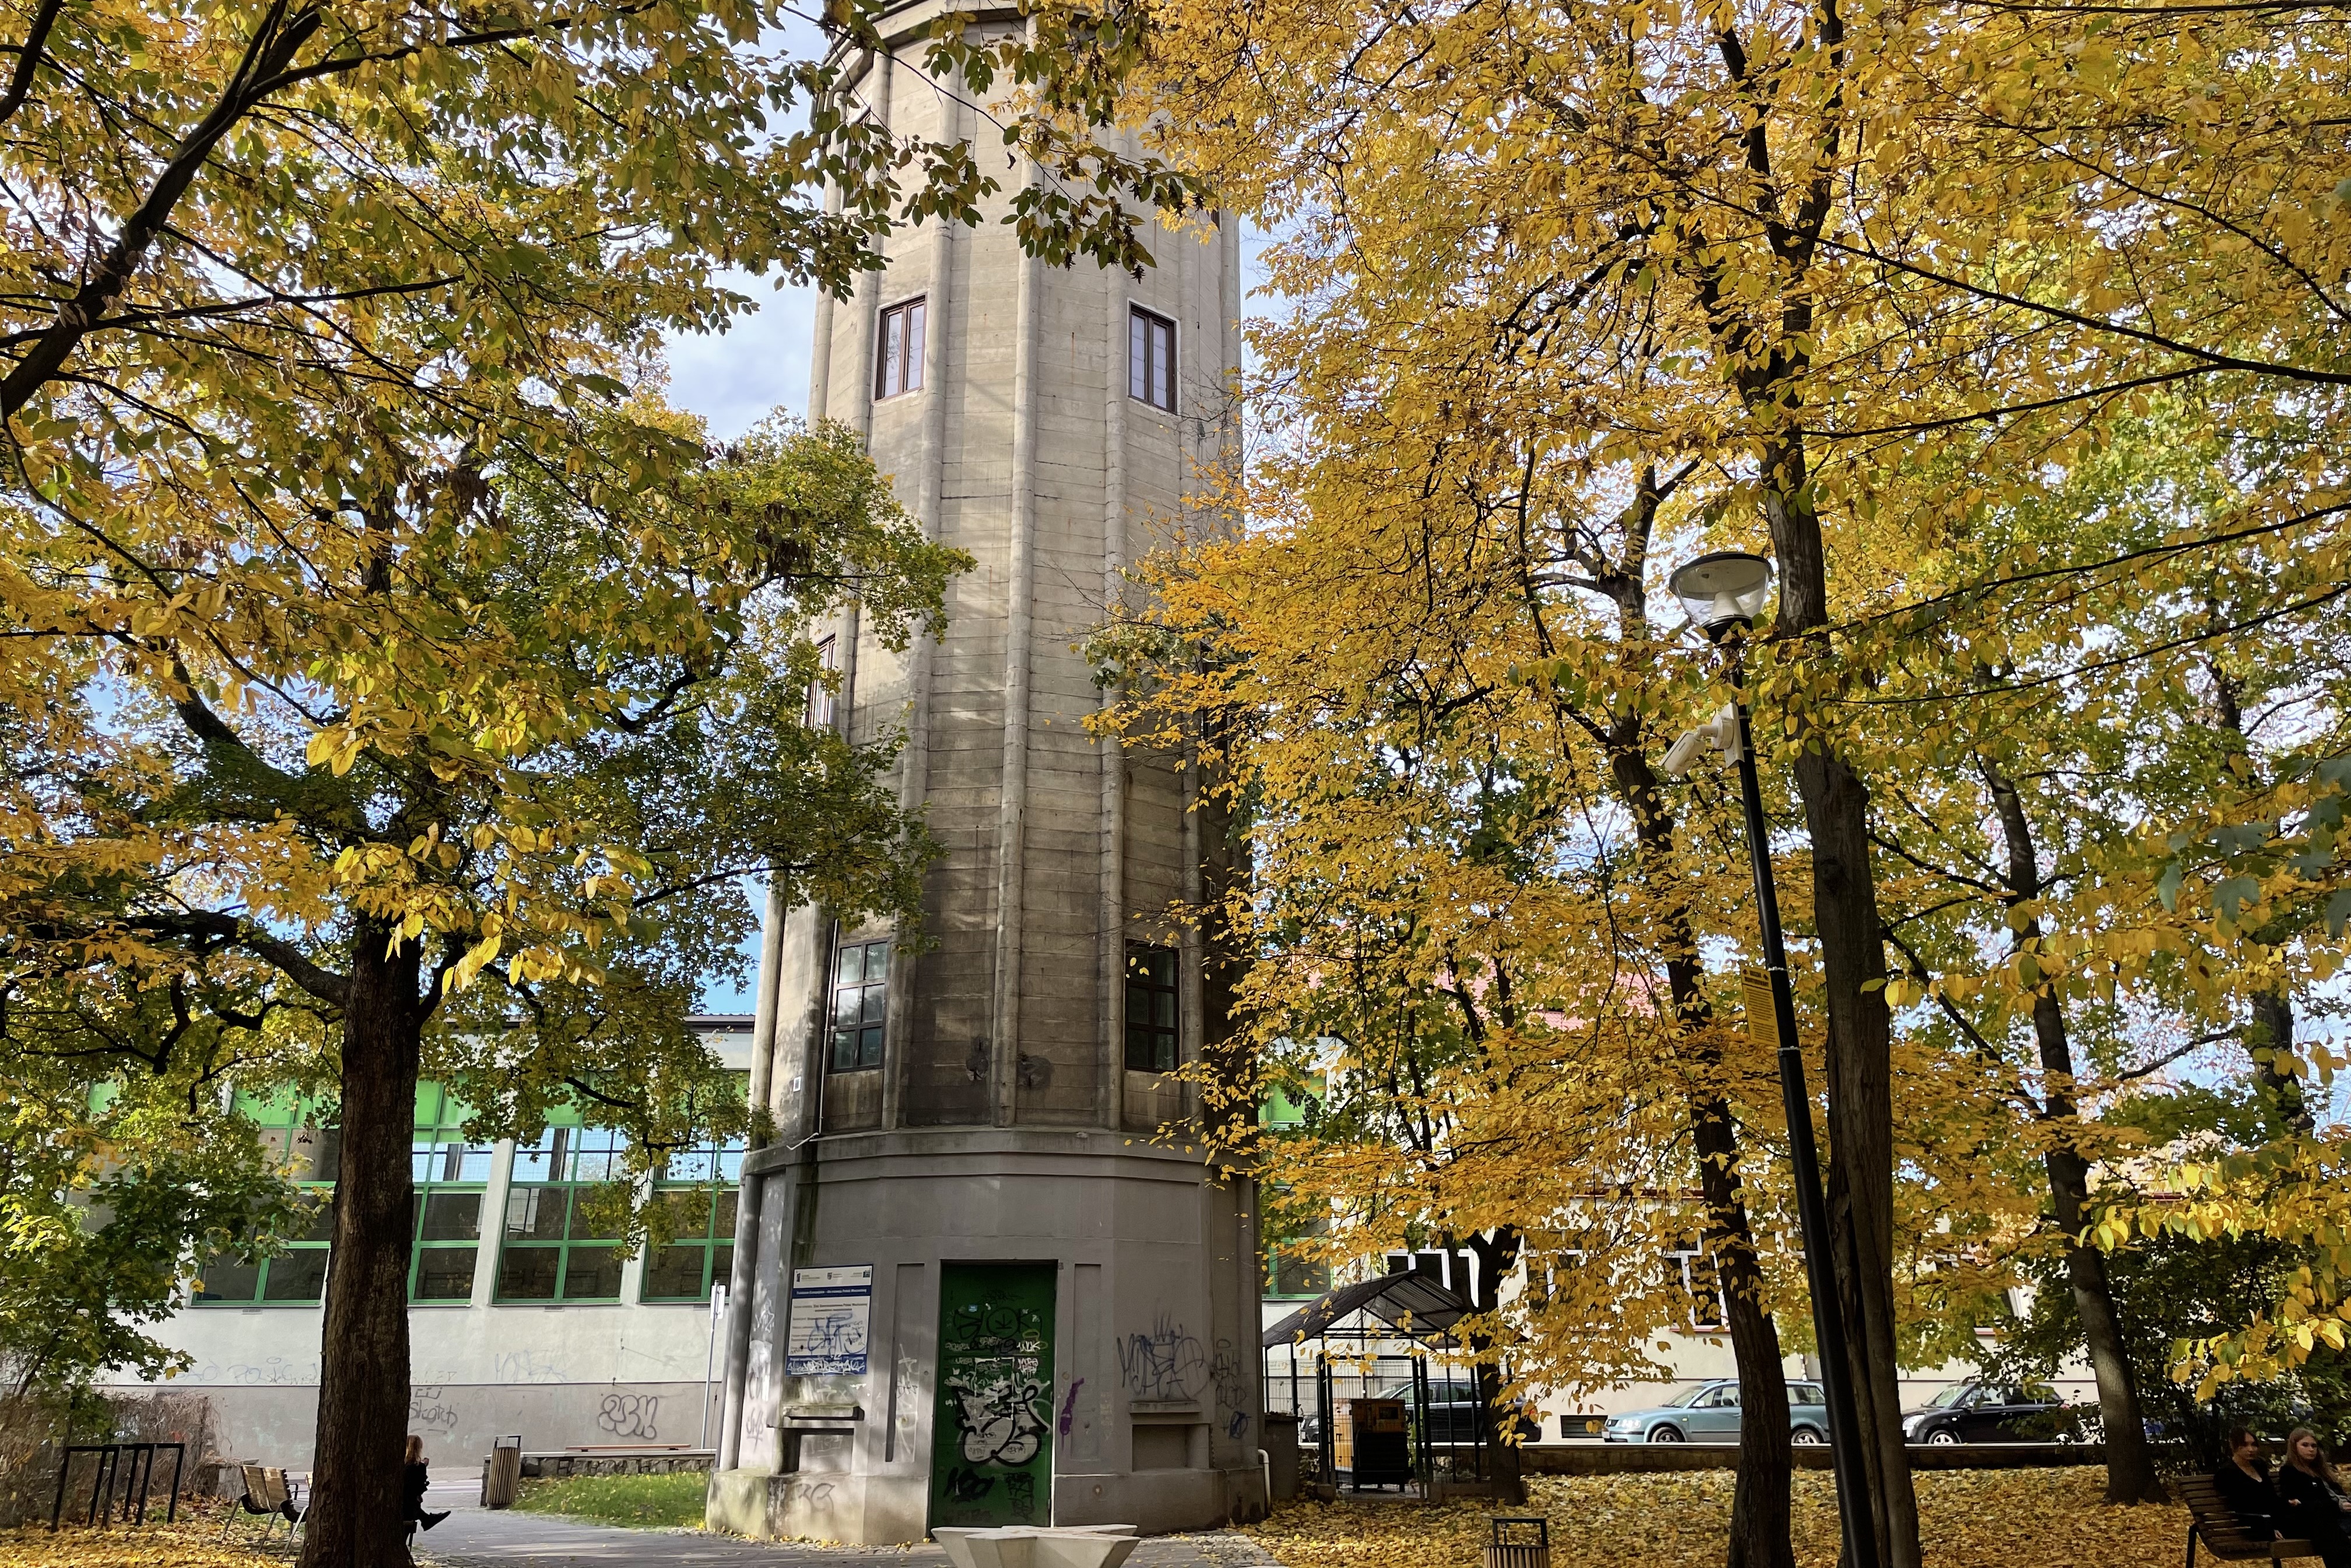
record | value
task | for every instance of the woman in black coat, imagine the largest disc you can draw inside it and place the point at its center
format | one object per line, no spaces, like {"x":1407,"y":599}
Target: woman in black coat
{"x":2243,"y":1484}
{"x":2311,"y":1507}
{"x":414,"y":1480}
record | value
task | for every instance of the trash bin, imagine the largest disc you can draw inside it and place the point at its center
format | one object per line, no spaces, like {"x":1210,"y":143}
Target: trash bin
{"x":1520,"y":1542}
{"x":502,"y":1472}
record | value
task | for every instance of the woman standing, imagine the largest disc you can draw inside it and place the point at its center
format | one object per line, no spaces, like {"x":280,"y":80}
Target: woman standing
{"x":2311,"y":1507}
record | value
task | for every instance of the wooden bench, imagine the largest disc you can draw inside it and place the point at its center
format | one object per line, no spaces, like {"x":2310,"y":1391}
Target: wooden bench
{"x":2215,"y":1523}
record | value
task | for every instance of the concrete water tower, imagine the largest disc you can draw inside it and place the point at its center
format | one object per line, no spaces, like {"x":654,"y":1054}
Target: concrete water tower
{"x":979,"y":1292}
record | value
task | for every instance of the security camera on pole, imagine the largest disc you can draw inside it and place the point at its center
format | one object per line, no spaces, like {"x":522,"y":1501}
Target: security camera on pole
{"x":1724,"y":592}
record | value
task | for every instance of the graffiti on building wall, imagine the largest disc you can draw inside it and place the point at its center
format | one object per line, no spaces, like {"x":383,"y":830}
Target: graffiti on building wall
{"x":275,"y":1370}
{"x":526,"y":1366}
{"x":967,"y":1485}
{"x":1164,"y":1363}
{"x":1070,"y":1408}
{"x":996,"y":1421}
{"x":1229,"y":1374}
{"x":427,"y":1410}
{"x":630,"y":1415}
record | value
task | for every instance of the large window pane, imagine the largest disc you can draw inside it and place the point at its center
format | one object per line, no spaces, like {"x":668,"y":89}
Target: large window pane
{"x":300,"y":1275}
{"x":528,"y":1273}
{"x":445,"y":1274}
{"x":676,"y":1273}
{"x":452,"y":1217}
{"x":536,"y":1213}
{"x":224,"y":1280}
{"x":591,"y":1273}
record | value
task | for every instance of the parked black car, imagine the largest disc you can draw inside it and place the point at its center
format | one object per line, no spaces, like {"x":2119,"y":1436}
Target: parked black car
{"x":1452,"y":1414}
{"x":1979,"y":1412}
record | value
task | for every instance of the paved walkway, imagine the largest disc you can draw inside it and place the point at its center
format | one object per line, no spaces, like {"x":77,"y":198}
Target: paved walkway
{"x":477,"y":1537}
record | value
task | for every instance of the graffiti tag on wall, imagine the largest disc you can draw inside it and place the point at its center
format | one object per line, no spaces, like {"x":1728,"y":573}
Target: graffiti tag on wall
{"x":1164,"y":1363}
{"x":425,"y":1409}
{"x":630,"y":1415}
{"x":996,"y":1421}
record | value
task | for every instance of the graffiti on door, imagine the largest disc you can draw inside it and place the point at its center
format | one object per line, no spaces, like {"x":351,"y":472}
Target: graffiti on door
{"x":991,"y":1448}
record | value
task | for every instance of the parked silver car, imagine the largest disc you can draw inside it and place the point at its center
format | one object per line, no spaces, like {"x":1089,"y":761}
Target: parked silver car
{"x":1708,"y":1413}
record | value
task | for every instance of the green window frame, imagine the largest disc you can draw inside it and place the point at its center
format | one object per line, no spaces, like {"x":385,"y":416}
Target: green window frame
{"x":448,"y":1178}
{"x":860,"y":996}
{"x":698,"y":1188}
{"x":293,"y":1133}
{"x":550,"y":1249}
{"x":1152,"y":1040}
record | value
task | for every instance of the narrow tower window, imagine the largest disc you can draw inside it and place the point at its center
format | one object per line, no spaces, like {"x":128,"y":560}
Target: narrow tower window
{"x":1150,"y":1008}
{"x":861,"y":988}
{"x":1150,"y":358}
{"x":823,"y":702}
{"x":900,"y":366}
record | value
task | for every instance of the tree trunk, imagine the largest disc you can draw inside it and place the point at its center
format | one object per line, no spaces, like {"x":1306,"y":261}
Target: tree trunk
{"x":1860,"y":1045}
{"x":1759,"y":1505}
{"x":2273,"y":1036}
{"x":1497,"y":1254}
{"x":1759,"y":1501}
{"x":355,"y":1517}
{"x":2130,"y":1467}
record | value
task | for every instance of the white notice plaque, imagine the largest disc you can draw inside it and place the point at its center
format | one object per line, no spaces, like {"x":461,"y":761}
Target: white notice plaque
{"x":833,"y":1310}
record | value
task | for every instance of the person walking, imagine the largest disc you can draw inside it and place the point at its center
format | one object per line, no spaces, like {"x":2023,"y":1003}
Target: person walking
{"x":414,"y":1480}
{"x":2311,"y":1506}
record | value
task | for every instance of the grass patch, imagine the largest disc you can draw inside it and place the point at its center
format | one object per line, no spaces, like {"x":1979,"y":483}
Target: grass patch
{"x":640,"y":1502}
{"x":1968,"y":1518}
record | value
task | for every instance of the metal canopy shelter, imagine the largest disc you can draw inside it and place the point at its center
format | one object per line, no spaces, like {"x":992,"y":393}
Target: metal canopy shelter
{"x":1414,"y":1305}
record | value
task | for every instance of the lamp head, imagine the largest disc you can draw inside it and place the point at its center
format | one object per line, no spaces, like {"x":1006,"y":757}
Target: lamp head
{"x":1722,"y":590}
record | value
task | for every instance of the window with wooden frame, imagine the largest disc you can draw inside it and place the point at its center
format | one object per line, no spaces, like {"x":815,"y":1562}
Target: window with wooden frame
{"x":558,"y":1245}
{"x":898,"y":366}
{"x":1151,"y":1042}
{"x":860,"y":996}
{"x":1150,"y":358}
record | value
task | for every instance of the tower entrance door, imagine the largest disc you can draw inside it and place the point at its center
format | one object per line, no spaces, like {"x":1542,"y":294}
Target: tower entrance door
{"x":992,"y":1433}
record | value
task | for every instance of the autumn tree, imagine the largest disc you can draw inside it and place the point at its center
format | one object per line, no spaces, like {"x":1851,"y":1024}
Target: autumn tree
{"x":484,"y":790}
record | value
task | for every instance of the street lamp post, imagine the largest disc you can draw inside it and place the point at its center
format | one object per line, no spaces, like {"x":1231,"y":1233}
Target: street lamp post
{"x":1723,"y":593}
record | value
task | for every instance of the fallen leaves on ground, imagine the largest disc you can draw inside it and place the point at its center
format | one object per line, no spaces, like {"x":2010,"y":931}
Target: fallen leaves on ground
{"x":191,"y":1543}
{"x":1968,"y":1518}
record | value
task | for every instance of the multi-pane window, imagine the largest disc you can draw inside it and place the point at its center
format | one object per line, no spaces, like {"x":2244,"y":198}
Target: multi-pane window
{"x":1151,"y":972}
{"x":291,"y":1136}
{"x":445,"y":1213}
{"x":1700,"y":1290}
{"x":556,"y":1247}
{"x":900,"y":368}
{"x":824,"y":699}
{"x":861,"y":990}
{"x":697,"y":1191}
{"x":1150,"y":358}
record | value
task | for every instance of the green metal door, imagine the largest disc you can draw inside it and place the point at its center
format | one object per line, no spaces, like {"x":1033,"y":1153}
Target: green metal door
{"x":992,"y":1433}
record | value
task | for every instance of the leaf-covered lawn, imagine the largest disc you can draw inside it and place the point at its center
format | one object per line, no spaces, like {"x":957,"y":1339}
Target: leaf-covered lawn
{"x":190,"y":1544}
{"x":641,"y":1502}
{"x":1970,"y":1518}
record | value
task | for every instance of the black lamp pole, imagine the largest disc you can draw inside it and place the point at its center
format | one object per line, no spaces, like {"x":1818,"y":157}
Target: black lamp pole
{"x":1845,"y":1436}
